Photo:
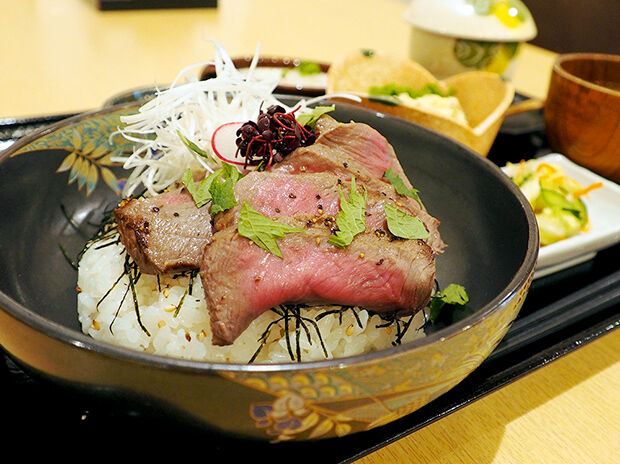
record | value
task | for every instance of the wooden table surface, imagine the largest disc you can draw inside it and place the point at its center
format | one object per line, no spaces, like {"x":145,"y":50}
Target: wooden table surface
{"x":66,"y":56}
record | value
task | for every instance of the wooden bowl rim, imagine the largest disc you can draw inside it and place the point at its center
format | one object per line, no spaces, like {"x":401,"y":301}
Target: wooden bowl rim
{"x":559,"y":69}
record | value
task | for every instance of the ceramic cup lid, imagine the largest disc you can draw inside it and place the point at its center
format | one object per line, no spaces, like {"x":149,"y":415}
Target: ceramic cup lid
{"x":488,"y":20}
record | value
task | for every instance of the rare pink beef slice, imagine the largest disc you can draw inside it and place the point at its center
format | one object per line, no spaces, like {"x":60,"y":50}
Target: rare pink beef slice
{"x":242,"y":280}
{"x":376,"y":271}
{"x":313,"y":195}
{"x":164,"y":233}
{"x":356,"y":149}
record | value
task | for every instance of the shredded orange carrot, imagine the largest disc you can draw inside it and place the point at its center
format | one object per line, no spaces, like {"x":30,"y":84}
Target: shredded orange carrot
{"x":588,"y":189}
{"x":542,"y":166}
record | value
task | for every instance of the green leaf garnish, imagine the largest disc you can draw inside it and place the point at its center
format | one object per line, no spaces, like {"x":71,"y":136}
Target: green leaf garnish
{"x":200,"y":193}
{"x":305,"y":68}
{"x":404,"y":225}
{"x":400,"y":186}
{"x":351,"y":218}
{"x":393,"y":90}
{"x":261,"y":230}
{"x":310,"y":119}
{"x":453,"y":295}
{"x":217,"y":188}
{"x":192,"y":146}
{"x":222,"y":195}
{"x":231,"y":172}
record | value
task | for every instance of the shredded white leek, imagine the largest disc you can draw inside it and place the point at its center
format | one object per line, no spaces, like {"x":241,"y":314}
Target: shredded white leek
{"x":195,"y":109}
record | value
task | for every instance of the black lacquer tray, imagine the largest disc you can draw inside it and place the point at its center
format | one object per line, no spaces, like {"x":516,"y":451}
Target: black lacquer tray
{"x":562,"y":312}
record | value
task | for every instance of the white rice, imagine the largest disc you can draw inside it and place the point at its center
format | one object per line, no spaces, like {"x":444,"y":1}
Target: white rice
{"x":186,"y":333}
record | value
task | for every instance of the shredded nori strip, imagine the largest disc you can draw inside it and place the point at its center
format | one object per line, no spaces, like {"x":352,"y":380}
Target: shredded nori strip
{"x":188,"y":291}
{"x":340,"y":312}
{"x":134,"y":274}
{"x":65,"y":253}
{"x":286,"y":312}
{"x":401,"y":324}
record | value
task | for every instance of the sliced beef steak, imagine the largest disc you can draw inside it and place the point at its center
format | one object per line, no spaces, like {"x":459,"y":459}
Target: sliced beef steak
{"x":164,"y":233}
{"x":242,"y":280}
{"x":315,"y":195}
{"x":356,"y":149}
{"x":365,"y":153}
{"x":376,"y":271}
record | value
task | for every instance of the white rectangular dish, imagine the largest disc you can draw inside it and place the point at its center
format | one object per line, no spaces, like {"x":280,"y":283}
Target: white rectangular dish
{"x":603,"y":206}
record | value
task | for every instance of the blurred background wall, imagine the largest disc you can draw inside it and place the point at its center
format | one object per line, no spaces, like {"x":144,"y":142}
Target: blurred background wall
{"x":567,"y":26}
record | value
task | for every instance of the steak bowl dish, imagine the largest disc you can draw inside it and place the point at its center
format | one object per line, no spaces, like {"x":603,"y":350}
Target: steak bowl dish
{"x":147,"y":294}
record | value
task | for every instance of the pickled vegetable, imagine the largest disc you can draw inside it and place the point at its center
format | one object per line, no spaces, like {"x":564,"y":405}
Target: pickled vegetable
{"x":555,"y":197}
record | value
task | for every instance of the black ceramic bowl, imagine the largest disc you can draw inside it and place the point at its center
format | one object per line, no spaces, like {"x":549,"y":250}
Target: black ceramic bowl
{"x":492,"y":249}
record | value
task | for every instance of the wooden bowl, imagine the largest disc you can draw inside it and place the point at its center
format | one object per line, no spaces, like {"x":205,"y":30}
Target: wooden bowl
{"x":582,"y":111}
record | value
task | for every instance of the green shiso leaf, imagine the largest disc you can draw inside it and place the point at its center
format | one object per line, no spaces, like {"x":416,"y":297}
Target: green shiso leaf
{"x":310,"y":119}
{"x":400,"y":186}
{"x":351,"y":217}
{"x":404,"y":225}
{"x":199,"y":192}
{"x":453,"y":295}
{"x":217,"y":188}
{"x":222,"y":195}
{"x":261,"y":230}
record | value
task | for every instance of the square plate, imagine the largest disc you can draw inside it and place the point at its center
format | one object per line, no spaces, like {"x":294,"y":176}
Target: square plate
{"x":603,"y":205}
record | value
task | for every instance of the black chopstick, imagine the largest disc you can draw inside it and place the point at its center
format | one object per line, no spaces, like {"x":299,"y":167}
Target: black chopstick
{"x":563,"y":313}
